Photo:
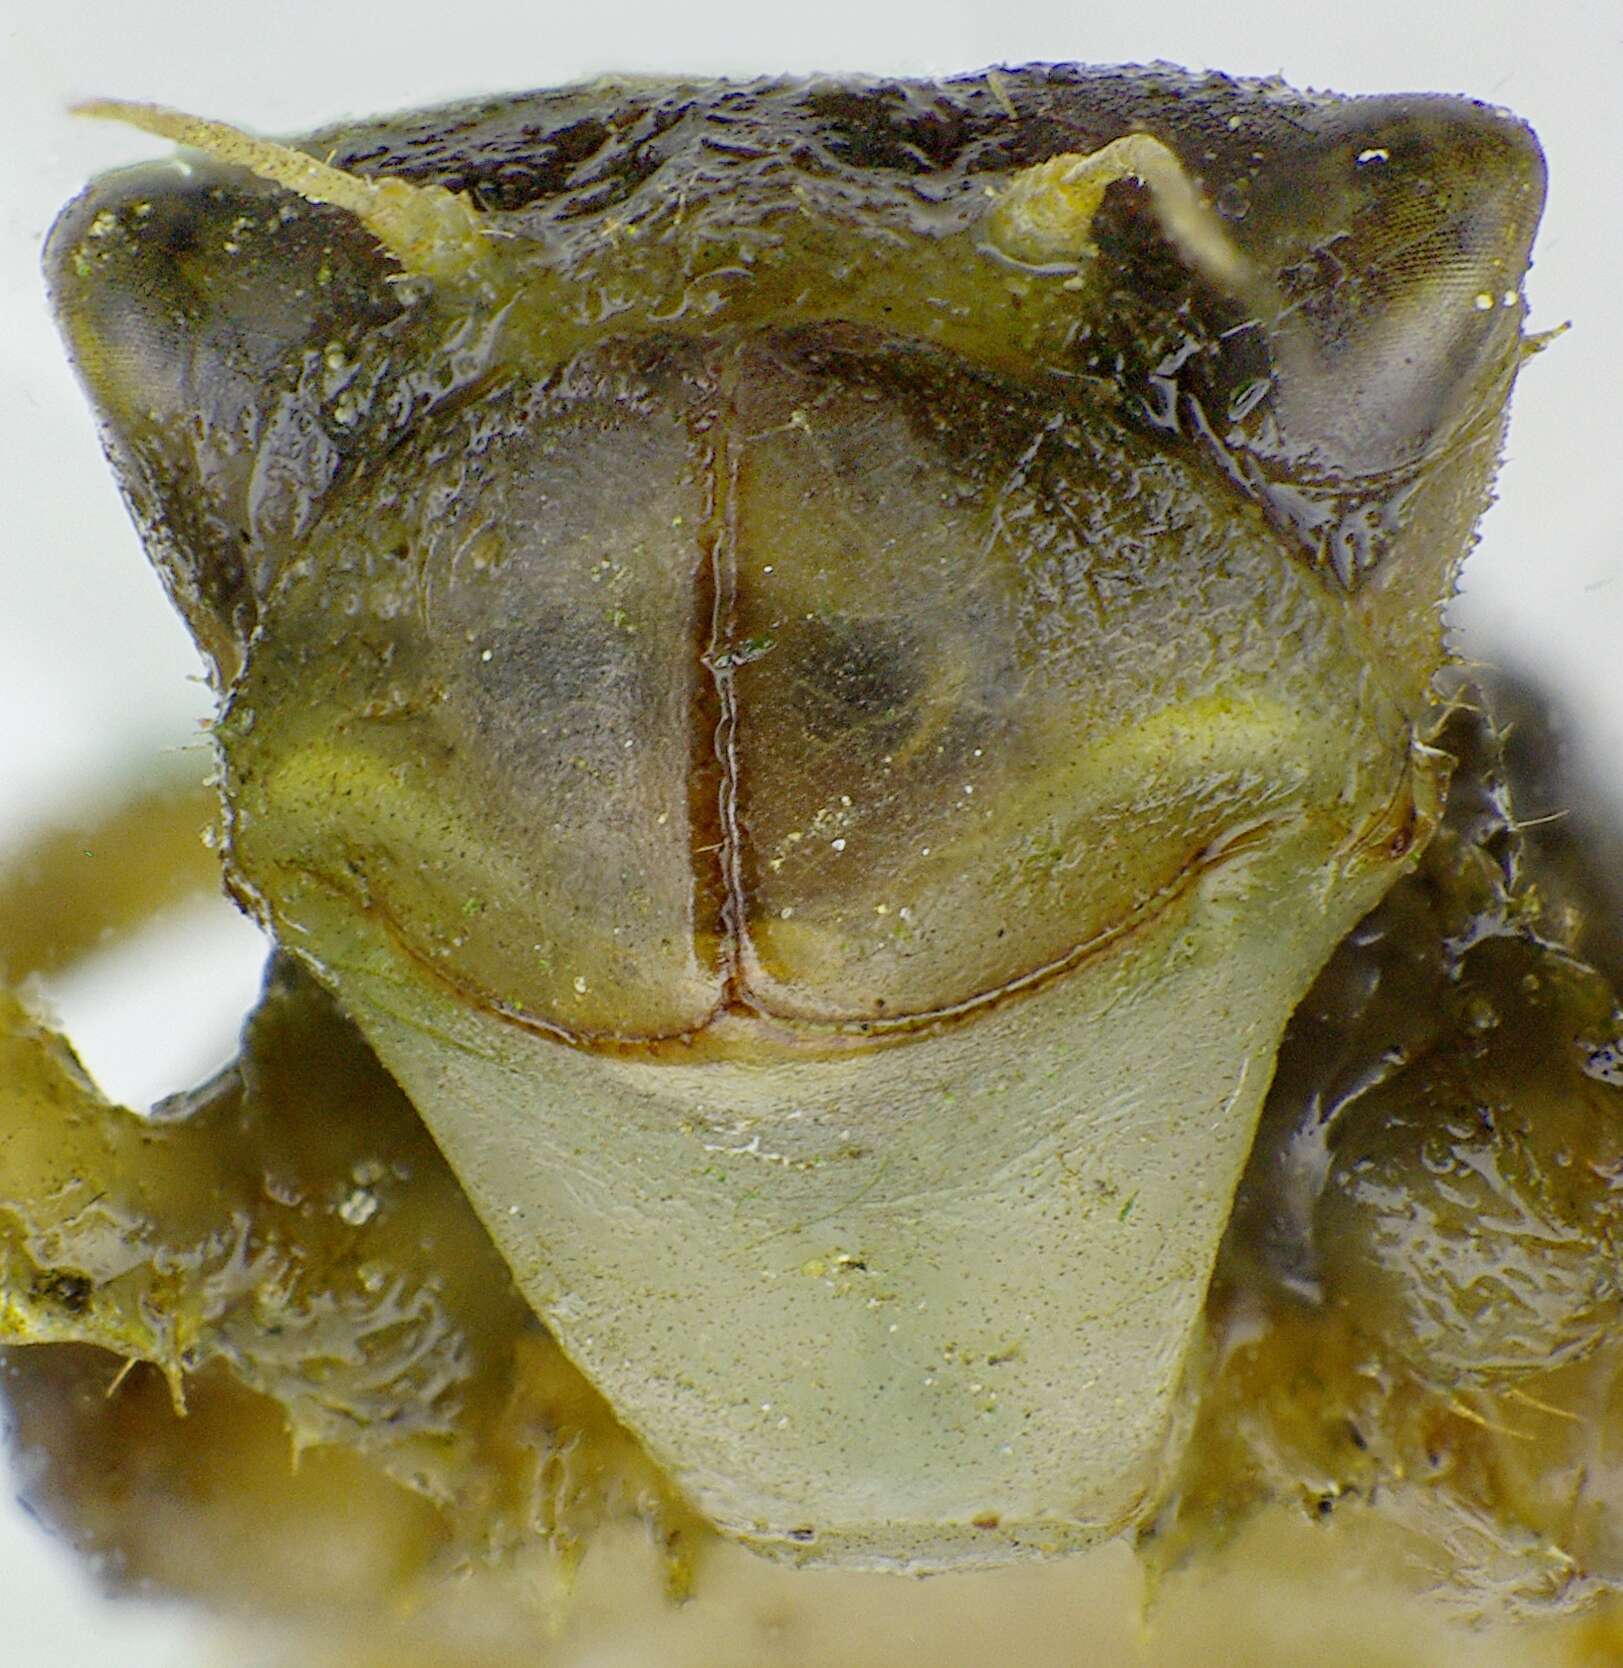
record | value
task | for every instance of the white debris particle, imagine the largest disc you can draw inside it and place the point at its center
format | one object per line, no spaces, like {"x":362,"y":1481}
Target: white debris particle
{"x":359,"y":1208}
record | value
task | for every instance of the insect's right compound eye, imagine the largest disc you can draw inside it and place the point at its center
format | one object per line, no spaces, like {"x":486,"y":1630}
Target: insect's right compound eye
{"x":213,"y":320}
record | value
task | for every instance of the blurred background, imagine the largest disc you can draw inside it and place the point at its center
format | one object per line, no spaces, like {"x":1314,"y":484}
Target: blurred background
{"x":97,"y":679}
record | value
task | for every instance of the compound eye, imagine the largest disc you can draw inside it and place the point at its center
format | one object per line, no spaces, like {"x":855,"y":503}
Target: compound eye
{"x":215,"y":325}
{"x":1404,"y":302}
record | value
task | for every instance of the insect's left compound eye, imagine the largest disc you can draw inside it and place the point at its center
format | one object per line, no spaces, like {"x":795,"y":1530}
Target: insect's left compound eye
{"x":1405,"y":292}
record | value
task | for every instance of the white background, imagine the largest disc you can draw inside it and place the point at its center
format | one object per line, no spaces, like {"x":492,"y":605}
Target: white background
{"x":94,"y":672}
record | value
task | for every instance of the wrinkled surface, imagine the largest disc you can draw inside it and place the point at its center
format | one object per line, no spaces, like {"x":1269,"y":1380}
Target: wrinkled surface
{"x":289,"y":1228}
{"x":1416,"y":1312}
{"x":817,"y":667}
{"x":1331,"y":1457}
{"x":773,"y":657}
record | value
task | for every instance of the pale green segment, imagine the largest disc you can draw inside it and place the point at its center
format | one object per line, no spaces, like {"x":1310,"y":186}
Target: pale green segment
{"x":884,"y":1295}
